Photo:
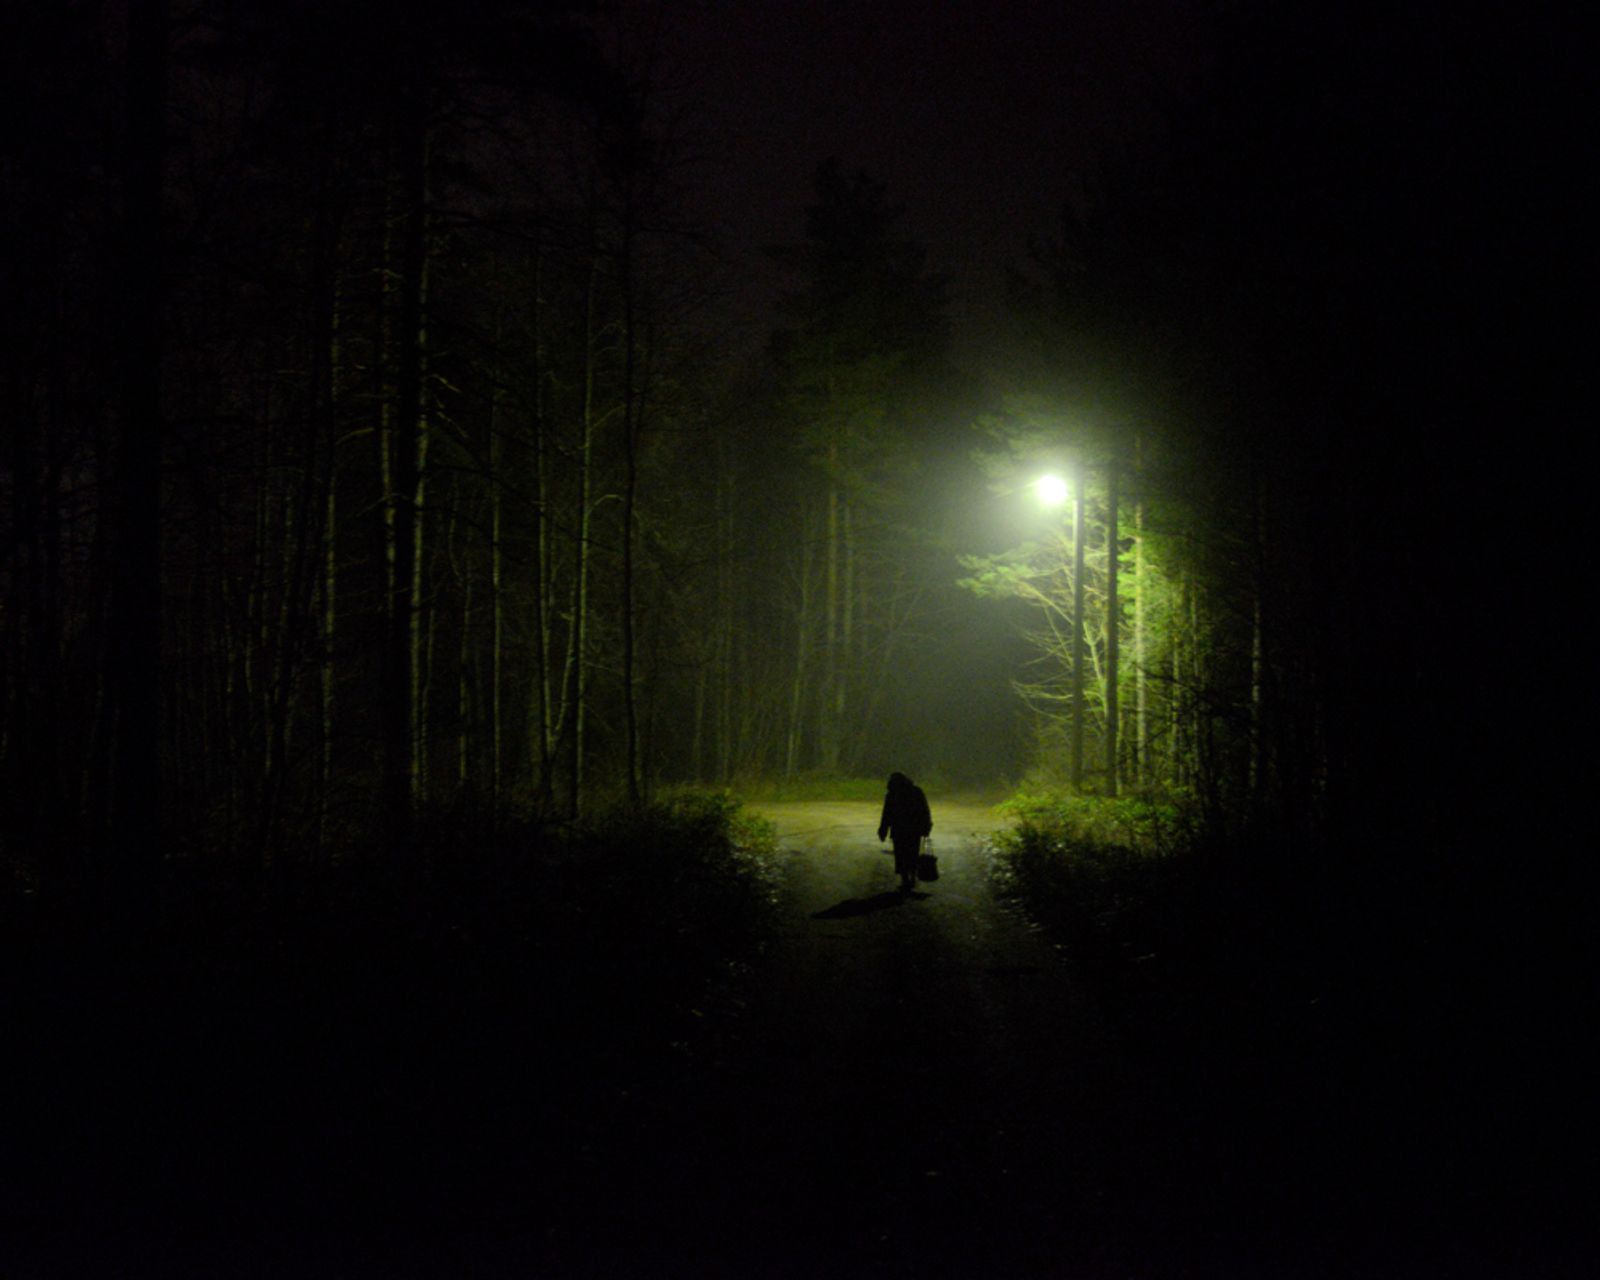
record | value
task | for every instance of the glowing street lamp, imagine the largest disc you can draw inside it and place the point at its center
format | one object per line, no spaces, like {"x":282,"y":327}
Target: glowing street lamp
{"x":1052,"y":490}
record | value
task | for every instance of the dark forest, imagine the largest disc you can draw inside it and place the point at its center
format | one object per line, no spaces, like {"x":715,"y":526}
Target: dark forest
{"x":418,"y":568}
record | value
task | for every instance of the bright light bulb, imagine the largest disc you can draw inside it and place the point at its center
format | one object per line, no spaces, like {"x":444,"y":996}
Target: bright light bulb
{"x":1052,"y":490}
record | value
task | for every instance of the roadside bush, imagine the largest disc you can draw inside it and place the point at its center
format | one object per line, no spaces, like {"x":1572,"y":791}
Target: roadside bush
{"x":1148,"y":823}
{"x":399,"y":1031}
{"x":1104,"y":903}
{"x":692,"y":877}
{"x":1119,"y":882}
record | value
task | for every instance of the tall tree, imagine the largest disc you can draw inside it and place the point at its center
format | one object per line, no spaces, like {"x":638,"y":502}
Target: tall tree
{"x":864,"y":327}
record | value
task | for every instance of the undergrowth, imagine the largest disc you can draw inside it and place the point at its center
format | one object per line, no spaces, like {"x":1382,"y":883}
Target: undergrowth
{"x":1106,"y":902}
{"x":1125,"y":883}
{"x":1148,"y":824}
{"x":399,"y":1032}
{"x":1332,"y":1027}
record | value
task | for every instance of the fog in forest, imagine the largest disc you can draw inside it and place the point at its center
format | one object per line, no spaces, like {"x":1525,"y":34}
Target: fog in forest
{"x":459,"y":462}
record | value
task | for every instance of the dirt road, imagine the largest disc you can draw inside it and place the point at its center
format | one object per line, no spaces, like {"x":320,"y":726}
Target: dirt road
{"x":916,"y":1087}
{"x":919,"y":1086}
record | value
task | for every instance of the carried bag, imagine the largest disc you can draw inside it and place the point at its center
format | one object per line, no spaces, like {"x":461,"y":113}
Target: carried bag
{"x":927,"y":867}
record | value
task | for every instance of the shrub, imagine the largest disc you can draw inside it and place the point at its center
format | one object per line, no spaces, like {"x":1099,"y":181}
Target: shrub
{"x":1103,"y":902}
{"x":1148,"y":823}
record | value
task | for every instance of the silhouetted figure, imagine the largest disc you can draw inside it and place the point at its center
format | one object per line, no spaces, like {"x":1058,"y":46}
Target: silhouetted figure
{"x":907,"y":820}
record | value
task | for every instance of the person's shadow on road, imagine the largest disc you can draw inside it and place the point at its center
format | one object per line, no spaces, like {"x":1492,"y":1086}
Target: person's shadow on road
{"x":853,"y":907}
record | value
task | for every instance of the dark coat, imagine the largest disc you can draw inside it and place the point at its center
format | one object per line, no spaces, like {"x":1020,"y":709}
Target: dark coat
{"x":905,"y":812}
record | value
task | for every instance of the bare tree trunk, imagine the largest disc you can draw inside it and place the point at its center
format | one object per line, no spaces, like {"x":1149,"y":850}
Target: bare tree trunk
{"x":846,"y":674}
{"x":329,"y":638}
{"x":576,"y":691}
{"x":827,"y":702}
{"x":630,"y":485}
{"x":330,"y":564}
{"x":1113,"y":628}
{"x":398,"y":683}
{"x":1078,"y":623}
{"x":725,"y":632}
{"x":542,"y":729}
{"x":803,"y":625}
{"x":303,"y":536}
{"x":1141,"y":674}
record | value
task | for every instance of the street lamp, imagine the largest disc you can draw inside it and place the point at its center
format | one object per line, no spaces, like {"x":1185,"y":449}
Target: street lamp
{"x":1052,"y":490}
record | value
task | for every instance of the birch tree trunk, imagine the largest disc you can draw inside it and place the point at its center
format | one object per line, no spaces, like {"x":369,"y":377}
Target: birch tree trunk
{"x":1078,"y":624}
{"x":1113,"y":628}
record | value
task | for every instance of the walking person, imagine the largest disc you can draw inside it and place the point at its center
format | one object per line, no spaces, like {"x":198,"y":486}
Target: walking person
{"x":907,"y":820}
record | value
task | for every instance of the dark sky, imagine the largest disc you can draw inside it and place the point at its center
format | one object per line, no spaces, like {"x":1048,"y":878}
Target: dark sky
{"x":981,"y":119}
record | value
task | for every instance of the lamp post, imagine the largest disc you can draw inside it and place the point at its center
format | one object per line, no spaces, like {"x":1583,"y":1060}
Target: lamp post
{"x":1052,"y":491}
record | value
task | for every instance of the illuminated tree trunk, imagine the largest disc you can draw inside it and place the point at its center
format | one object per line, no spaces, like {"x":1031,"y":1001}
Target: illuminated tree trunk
{"x":848,"y":676}
{"x":829,"y":695}
{"x":1141,"y":654}
{"x":1113,"y":627}
{"x":725,"y":611}
{"x":1078,"y":624}
{"x":1185,"y":674}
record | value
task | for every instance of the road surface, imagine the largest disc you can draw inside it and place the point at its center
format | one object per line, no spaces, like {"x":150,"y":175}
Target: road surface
{"x":915,"y":1086}
{"x":901,"y":1086}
